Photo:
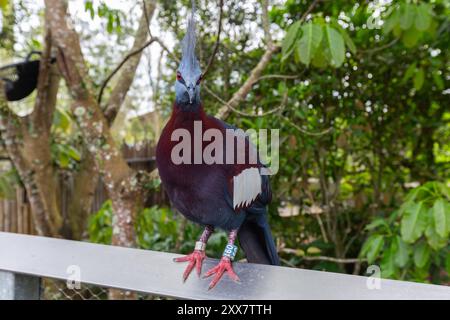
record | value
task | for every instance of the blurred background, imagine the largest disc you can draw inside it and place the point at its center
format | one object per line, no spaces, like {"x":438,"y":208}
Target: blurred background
{"x":359,"y":90}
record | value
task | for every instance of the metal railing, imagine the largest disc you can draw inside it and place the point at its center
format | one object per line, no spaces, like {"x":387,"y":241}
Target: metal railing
{"x":25,"y":259}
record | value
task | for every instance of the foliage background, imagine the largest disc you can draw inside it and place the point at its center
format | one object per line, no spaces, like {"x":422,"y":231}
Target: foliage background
{"x":359,"y":90}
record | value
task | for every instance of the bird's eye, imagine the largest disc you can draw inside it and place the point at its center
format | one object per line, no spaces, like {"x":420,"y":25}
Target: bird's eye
{"x":199,"y":80}
{"x":179,"y":77}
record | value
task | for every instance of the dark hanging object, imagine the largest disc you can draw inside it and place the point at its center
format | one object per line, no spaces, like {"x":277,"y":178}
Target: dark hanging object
{"x":20,"y":79}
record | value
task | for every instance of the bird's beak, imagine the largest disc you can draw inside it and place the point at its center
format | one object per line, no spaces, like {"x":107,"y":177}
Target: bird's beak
{"x":191,"y":93}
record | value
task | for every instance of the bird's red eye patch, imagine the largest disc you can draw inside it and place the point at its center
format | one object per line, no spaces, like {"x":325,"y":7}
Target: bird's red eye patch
{"x":179,"y":76}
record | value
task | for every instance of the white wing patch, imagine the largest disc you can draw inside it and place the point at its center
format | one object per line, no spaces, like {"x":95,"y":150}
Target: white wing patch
{"x":246,"y":187}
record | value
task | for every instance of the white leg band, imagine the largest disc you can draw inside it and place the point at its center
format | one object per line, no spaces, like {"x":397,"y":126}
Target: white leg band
{"x":200,"y":246}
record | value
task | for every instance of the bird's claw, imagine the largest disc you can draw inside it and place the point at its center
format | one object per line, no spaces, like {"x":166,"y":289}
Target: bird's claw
{"x":195,"y":259}
{"x":219,"y":270}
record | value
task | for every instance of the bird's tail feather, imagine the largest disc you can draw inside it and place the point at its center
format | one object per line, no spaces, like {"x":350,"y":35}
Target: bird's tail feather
{"x":256,"y":240}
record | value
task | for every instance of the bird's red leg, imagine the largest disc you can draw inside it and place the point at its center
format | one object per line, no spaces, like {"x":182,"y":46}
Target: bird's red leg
{"x":196,"y":258}
{"x":225,"y":264}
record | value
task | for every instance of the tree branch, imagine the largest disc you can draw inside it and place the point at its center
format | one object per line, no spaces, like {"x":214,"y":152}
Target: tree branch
{"x":249,"y":115}
{"x":47,"y":87}
{"x":332,"y":259}
{"x":147,"y":18}
{"x":277,"y":76}
{"x":243,"y":91}
{"x":301,"y":130}
{"x":309,"y":10}
{"x":166,"y":49}
{"x":377,"y":49}
{"x":321,"y":258}
{"x":266,"y":22}
{"x":216,"y":46}
{"x":121,"y":64}
{"x":129,"y":64}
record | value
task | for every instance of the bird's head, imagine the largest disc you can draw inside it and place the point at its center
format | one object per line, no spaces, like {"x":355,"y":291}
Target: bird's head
{"x":189,"y":74}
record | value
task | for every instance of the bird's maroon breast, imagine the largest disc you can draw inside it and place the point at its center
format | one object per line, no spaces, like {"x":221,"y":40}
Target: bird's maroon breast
{"x":179,"y":152}
{"x":182,"y":142}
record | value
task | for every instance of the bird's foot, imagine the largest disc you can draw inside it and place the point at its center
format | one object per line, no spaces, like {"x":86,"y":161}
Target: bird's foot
{"x":195,"y":259}
{"x":224,"y":265}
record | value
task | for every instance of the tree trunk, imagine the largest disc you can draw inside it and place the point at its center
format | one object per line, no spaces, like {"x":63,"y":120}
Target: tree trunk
{"x":80,"y":206}
{"x":27,"y":141}
{"x":124,"y":187}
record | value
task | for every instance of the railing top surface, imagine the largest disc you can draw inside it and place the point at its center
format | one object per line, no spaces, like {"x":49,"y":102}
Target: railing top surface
{"x":156,"y":273}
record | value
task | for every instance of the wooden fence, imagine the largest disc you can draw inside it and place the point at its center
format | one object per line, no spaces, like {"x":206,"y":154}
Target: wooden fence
{"x":15,"y":212}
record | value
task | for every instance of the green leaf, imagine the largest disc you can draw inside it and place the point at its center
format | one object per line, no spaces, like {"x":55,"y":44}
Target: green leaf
{"x":393,"y":217}
{"x":62,"y":120}
{"x":397,"y":31}
{"x":440,"y":221}
{"x":372,"y":247}
{"x":89,"y":7}
{"x":320,"y":60}
{"x":73,"y":153}
{"x":409,"y":72}
{"x":289,"y":40}
{"x":313,"y":250}
{"x":447,"y":263}
{"x":423,"y":17}
{"x":348,"y":41}
{"x":110,"y":24}
{"x":63,"y":160}
{"x":444,"y":190}
{"x":377,"y":223}
{"x":309,"y":42}
{"x":408,"y":13}
{"x":388,"y":261}
{"x":438,"y":81}
{"x":403,"y":250}
{"x":391,"y":22}
{"x":419,"y":79}
{"x":335,"y":44}
{"x":422,"y":255}
{"x":414,"y":222}
{"x":447,"y":218}
{"x":410,"y":37}
{"x":434,"y":240}
{"x":3,"y":4}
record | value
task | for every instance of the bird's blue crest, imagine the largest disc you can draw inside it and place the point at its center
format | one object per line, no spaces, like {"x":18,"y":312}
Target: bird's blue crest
{"x":189,"y":66}
{"x":187,"y":86}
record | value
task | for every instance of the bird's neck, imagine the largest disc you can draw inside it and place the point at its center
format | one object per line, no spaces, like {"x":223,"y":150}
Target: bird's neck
{"x":183,"y":114}
{"x":193,"y":107}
